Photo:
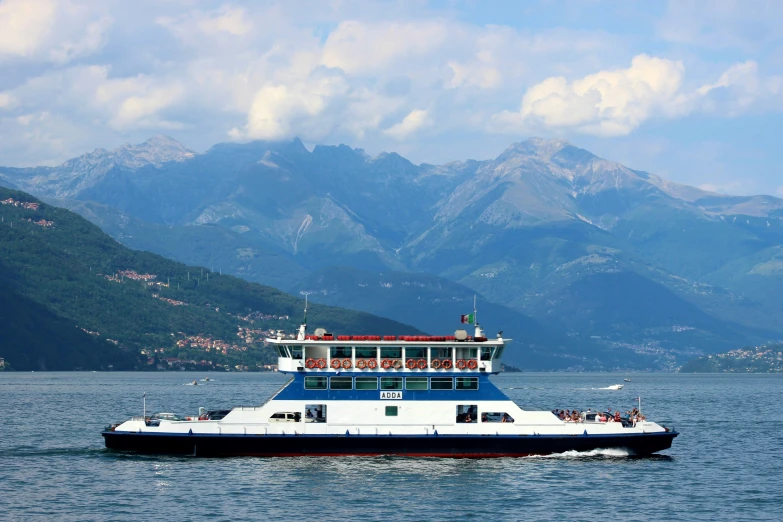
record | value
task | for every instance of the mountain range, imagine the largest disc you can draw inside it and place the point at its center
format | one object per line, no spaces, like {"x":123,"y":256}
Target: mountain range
{"x":607,"y":265}
{"x":71,"y":297}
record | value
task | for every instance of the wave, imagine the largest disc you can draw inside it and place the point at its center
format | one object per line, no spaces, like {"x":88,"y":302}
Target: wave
{"x":28,"y":451}
{"x":614,"y":453}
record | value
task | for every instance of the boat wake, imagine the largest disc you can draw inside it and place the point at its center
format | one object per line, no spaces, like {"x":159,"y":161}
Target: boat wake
{"x":610,"y":453}
{"x":27,"y":451}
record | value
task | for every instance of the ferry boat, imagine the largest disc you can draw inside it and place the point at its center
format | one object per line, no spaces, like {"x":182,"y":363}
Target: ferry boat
{"x":416,"y":396}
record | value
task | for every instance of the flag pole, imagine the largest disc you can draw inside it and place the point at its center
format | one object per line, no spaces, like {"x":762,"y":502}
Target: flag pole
{"x":144,"y":402}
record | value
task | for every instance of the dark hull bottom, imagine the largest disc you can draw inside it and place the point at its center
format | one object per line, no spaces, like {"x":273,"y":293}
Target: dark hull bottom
{"x":455,"y":446}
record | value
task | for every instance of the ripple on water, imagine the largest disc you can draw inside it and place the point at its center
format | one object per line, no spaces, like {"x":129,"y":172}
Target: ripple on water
{"x":721,"y":467}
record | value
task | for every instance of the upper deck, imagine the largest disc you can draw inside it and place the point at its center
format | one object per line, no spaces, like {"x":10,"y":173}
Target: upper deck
{"x":406,"y":354}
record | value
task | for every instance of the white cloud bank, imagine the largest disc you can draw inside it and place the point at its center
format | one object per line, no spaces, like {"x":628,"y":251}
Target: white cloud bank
{"x":46,"y":30}
{"x":371,"y":74}
{"x":616,"y":102}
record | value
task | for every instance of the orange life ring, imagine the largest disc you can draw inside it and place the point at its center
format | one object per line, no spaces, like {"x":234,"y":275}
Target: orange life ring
{"x":310,"y":363}
{"x":397,"y":364}
{"x":435,"y":364}
{"x":322,"y":363}
{"x":372,"y":364}
{"x":461,"y":363}
{"x":346,"y":363}
{"x":410,"y":363}
{"x":472,"y":364}
{"x":336,"y":363}
{"x":422,"y":364}
{"x":361,"y":364}
{"x":447,"y":364}
{"x":386,"y":364}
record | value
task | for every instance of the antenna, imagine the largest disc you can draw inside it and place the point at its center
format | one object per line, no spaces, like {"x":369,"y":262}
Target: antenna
{"x":475,"y":315}
{"x":305,"y":310}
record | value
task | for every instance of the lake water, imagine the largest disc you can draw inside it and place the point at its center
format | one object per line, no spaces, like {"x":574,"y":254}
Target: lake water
{"x":726,"y":464}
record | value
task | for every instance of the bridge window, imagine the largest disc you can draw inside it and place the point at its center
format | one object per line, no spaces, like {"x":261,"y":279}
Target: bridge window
{"x":340,"y":383}
{"x":441,"y":383}
{"x":367,"y":383}
{"x":437,"y":352}
{"x":486,"y":353}
{"x":391,"y":411}
{"x":315,"y":412}
{"x":391,"y":383}
{"x":340,"y":351}
{"x":499,"y":352}
{"x":281,"y":351}
{"x":466,"y":353}
{"x":496,"y":416}
{"x":417,"y":353}
{"x":366,"y":353}
{"x":415,"y":383}
{"x":315,"y":383}
{"x":467,"y":383}
{"x":296,"y":352}
{"x":467,"y":413}
{"x":391,"y":353}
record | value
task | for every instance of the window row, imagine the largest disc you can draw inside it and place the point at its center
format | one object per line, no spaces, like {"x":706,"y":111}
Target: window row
{"x":362,"y":352}
{"x":391,"y":383}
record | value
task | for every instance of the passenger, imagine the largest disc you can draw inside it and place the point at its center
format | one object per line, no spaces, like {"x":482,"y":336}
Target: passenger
{"x":617,"y":416}
{"x":562,"y":415}
{"x":468,"y":419}
{"x":568,"y":417}
{"x":484,"y":417}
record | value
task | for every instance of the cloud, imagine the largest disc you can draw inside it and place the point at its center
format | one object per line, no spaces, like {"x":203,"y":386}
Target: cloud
{"x":373,"y":74}
{"x":740,"y":88}
{"x":94,"y":37}
{"x":6,"y":100}
{"x":723,"y":24}
{"x":233,"y":21}
{"x":616,"y":102}
{"x":607,"y":103}
{"x":24,"y":25}
{"x":359,"y":48}
{"x":414,"y":121}
{"x":731,"y":187}
{"x":51,"y":31}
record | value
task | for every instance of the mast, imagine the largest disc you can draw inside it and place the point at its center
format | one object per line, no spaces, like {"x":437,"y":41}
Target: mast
{"x":478,"y":330}
{"x":300,"y":336}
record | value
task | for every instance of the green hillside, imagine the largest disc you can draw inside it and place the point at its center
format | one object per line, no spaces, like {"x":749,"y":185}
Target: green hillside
{"x":136,"y":301}
{"x":757,"y":359}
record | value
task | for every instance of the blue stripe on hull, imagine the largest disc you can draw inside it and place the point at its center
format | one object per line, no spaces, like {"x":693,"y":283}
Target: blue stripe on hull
{"x":473,"y":446}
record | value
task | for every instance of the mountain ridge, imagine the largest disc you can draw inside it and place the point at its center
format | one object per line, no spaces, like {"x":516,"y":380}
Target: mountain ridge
{"x":521,"y":228}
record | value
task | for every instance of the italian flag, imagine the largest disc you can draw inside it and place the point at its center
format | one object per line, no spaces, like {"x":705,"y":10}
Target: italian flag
{"x":468,"y":319}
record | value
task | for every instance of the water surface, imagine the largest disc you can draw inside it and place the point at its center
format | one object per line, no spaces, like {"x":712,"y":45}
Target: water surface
{"x":726,"y":464}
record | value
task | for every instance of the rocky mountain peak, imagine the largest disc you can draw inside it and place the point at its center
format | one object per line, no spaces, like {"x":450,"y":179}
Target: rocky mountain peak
{"x":154,"y":151}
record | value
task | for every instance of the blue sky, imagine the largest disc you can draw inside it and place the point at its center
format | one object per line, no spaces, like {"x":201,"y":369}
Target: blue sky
{"x":689,"y":90}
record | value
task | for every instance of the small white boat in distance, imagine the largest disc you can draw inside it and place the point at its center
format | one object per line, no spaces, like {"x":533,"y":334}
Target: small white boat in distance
{"x":627,"y":379}
{"x":615,"y":387}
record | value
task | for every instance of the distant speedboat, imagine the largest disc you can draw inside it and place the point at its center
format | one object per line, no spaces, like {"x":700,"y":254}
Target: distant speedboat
{"x":615,"y":387}
{"x":627,"y":379}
